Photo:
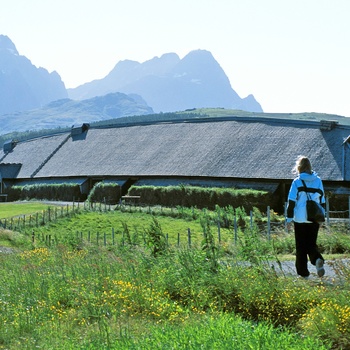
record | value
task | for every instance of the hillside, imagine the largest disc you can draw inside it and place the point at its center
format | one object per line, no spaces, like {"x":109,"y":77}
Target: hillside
{"x":176,"y":116}
{"x":66,"y":112}
{"x":220,"y":112}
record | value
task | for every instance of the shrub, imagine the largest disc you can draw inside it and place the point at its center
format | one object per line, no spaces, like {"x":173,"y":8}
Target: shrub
{"x":155,"y":238}
{"x":202,"y":197}
{"x":108,"y":192}
{"x":63,"y":192}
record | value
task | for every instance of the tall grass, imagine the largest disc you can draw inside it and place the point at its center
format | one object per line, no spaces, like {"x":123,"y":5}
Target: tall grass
{"x":128,"y":299}
{"x":212,"y":295}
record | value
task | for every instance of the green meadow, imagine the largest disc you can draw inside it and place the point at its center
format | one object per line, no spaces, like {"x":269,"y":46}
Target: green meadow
{"x":163,"y":278}
{"x":20,"y":208}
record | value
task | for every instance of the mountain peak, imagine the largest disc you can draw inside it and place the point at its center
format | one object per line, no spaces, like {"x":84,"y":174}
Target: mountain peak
{"x":200,"y":53}
{"x":22,"y":85}
{"x":168,"y":83}
{"x":7,"y":44}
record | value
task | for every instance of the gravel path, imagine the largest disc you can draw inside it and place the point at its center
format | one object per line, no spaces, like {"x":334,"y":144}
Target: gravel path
{"x":6,"y":250}
{"x":337,"y":270}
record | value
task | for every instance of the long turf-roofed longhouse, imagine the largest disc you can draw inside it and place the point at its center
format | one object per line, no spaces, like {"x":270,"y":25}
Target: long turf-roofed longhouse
{"x":240,"y":152}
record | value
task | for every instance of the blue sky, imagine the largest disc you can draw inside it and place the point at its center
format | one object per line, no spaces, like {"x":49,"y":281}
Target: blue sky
{"x":292,"y":55}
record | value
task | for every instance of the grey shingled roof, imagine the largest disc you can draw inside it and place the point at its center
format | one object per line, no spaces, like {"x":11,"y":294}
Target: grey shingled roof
{"x":31,"y":154}
{"x":228,"y":148}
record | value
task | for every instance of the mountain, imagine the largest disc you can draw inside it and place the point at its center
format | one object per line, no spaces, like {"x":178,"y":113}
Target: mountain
{"x":22,"y":85}
{"x":66,"y":112}
{"x":32,"y":98}
{"x":168,"y":83}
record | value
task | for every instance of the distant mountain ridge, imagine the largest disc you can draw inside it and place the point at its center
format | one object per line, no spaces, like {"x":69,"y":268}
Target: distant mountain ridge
{"x":66,"y":112}
{"x":22,"y":85}
{"x":169,"y":84}
{"x":32,"y":98}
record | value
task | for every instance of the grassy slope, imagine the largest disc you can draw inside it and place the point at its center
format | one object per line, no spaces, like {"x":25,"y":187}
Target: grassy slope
{"x":195,"y":113}
{"x":220,"y":112}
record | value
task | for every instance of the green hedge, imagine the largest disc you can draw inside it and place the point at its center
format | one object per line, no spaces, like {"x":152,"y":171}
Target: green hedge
{"x":62,"y":192}
{"x":167,"y":196}
{"x":201,"y":197}
{"x":108,"y":192}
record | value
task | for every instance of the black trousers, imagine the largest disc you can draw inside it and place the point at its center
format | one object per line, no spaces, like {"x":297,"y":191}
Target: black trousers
{"x":306,"y":246}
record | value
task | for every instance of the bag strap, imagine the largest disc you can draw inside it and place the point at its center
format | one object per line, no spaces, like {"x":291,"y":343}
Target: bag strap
{"x":307,"y":193}
{"x":310,"y":189}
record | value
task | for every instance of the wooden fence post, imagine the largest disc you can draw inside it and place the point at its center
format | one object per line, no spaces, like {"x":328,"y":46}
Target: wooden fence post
{"x":268,"y":223}
{"x":285,"y":216}
{"x":235,"y":227}
{"x":327,"y":210}
{"x":189,"y":237}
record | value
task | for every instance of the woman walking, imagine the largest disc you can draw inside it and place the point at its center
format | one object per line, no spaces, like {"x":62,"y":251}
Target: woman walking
{"x":306,"y":183}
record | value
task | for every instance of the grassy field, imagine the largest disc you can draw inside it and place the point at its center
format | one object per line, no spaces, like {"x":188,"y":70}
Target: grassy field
{"x":147,"y":292}
{"x":20,"y":208}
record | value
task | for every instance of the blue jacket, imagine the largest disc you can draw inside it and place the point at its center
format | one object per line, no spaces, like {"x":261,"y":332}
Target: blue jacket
{"x":297,"y":196}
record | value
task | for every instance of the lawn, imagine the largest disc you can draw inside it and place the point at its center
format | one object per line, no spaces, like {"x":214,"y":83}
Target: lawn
{"x":8,"y":210}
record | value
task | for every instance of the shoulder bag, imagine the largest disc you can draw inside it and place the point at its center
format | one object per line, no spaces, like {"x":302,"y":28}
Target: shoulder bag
{"x":315,"y":212}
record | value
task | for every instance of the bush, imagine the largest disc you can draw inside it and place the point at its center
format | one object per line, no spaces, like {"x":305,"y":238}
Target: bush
{"x":108,"y":192}
{"x":202,"y":197}
{"x":63,"y":192}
